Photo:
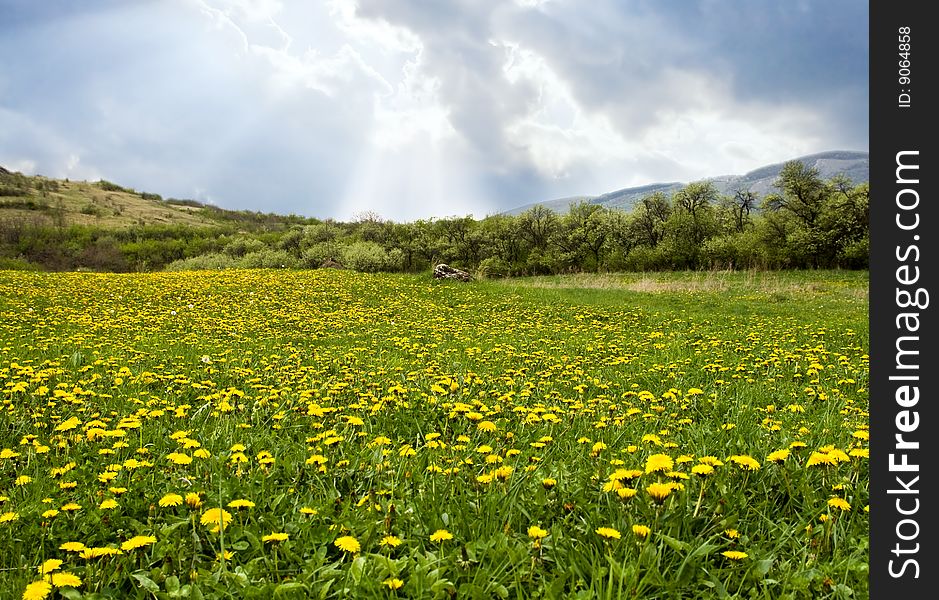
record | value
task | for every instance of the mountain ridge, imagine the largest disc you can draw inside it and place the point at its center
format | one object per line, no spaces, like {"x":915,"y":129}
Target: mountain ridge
{"x":853,"y":164}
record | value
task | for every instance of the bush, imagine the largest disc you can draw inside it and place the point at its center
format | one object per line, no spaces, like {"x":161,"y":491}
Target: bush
{"x":493,"y":267}
{"x":321,"y":252}
{"x":644,"y":258}
{"x":204,"y":262}
{"x":18,"y":264}
{"x":268,"y":259}
{"x":365,"y":256}
{"x":242,"y":246}
{"x":856,"y":255}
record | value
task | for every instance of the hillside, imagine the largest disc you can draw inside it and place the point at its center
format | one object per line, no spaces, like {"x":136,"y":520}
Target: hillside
{"x":854,"y":165}
{"x":40,"y":200}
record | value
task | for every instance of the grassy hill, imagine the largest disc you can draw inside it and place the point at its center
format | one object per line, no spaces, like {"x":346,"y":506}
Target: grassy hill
{"x":54,"y":202}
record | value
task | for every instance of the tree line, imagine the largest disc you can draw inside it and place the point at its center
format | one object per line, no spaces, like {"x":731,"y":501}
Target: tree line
{"x":807,"y":222}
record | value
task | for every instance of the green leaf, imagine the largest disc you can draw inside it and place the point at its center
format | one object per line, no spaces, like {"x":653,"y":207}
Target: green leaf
{"x":145,"y":582}
{"x":357,"y":569}
{"x":762,"y":567}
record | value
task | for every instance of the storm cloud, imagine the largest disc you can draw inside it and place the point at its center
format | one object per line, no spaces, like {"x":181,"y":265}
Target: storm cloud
{"x":413,"y":108}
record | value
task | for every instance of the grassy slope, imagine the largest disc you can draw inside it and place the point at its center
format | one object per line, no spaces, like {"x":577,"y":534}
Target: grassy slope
{"x":114,"y":209}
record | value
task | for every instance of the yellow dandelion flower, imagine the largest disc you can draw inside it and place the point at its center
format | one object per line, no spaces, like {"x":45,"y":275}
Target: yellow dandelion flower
{"x":193,"y":500}
{"x":37,"y":590}
{"x":537,"y":533}
{"x":108,"y":504}
{"x":608,"y":533}
{"x":347,"y":543}
{"x":778,"y":456}
{"x":391,"y":541}
{"x":72,"y":546}
{"x":641,"y":531}
{"x":735,"y":554}
{"x":275,"y":537}
{"x":65,"y":579}
{"x":171,"y":499}
{"x":745,"y":461}
{"x":659,"y":462}
{"x":138,"y":541}
{"x":49,"y":566}
{"x":9,"y":516}
{"x":393,"y":583}
{"x":441,"y":535}
{"x":179,"y":458}
{"x":732,"y":533}
{"x":218,"y":517}
{"x":241,"y":503}
{"x":839,"y":503}
{"x":659,"y":491}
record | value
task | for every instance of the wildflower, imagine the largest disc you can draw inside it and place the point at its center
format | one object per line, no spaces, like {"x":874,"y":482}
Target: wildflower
{"x":626,"y":493}
{"x":392,"y":541}
{"x":778,"y":456}
{"x":306,"y":510}
{"x":549,"y":483}
{"x":347,"y":543}
{"x":218,"y":517}
{"x":745,"y":461}
{"x":732,"y":533}
{"x":37,"y":590}
{"x":641,"y":531}
{"x":659,"y":462}
{"x":71,"y":507}
{"x":839,"y":503}
{"x":64,"y":579}
{"x":9,"y":516}
{"x":72,"y":546}
{"x":702,"y":470}
{"x":818,"y":458}
{"x":393,"y":583}
{"x":537,"y":533}
{"x":138,"y":541}
{"x":171,"y":500}
{"x":659,"y":491}
{"x":275,"y":537}
{"x":608,"y":533}
{"x":22,"y":480}
{"x":179,"y":458}
{"x":48,"y":514}
{"x":108,"y":504}
{"x":193,"y":500}
{"x":735,"y":554}
{"x":241,"y":503}
{"x":441,"y":535}
{"x":49,"y":566}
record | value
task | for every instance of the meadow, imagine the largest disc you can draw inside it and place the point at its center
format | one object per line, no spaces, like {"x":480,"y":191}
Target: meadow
{"x":330,"y":434}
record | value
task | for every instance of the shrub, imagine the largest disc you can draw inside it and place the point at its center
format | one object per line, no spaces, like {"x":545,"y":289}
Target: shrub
{"x":365,"y":256}
{"x":268,"y":259}
{"x":204,"y":262}
{"x":493,"y":267}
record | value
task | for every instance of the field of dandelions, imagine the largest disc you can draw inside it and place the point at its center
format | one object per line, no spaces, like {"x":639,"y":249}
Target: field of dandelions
{"x":329,"y":434}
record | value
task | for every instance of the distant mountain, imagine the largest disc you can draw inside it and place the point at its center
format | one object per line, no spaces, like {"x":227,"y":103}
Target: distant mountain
{"x":854,"y":165}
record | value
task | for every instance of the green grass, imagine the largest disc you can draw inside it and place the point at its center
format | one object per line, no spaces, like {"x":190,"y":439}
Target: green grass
{"x":345,"y":378}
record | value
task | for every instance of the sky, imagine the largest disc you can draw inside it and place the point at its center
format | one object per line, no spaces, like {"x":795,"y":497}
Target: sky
{"x":423,"y":108}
